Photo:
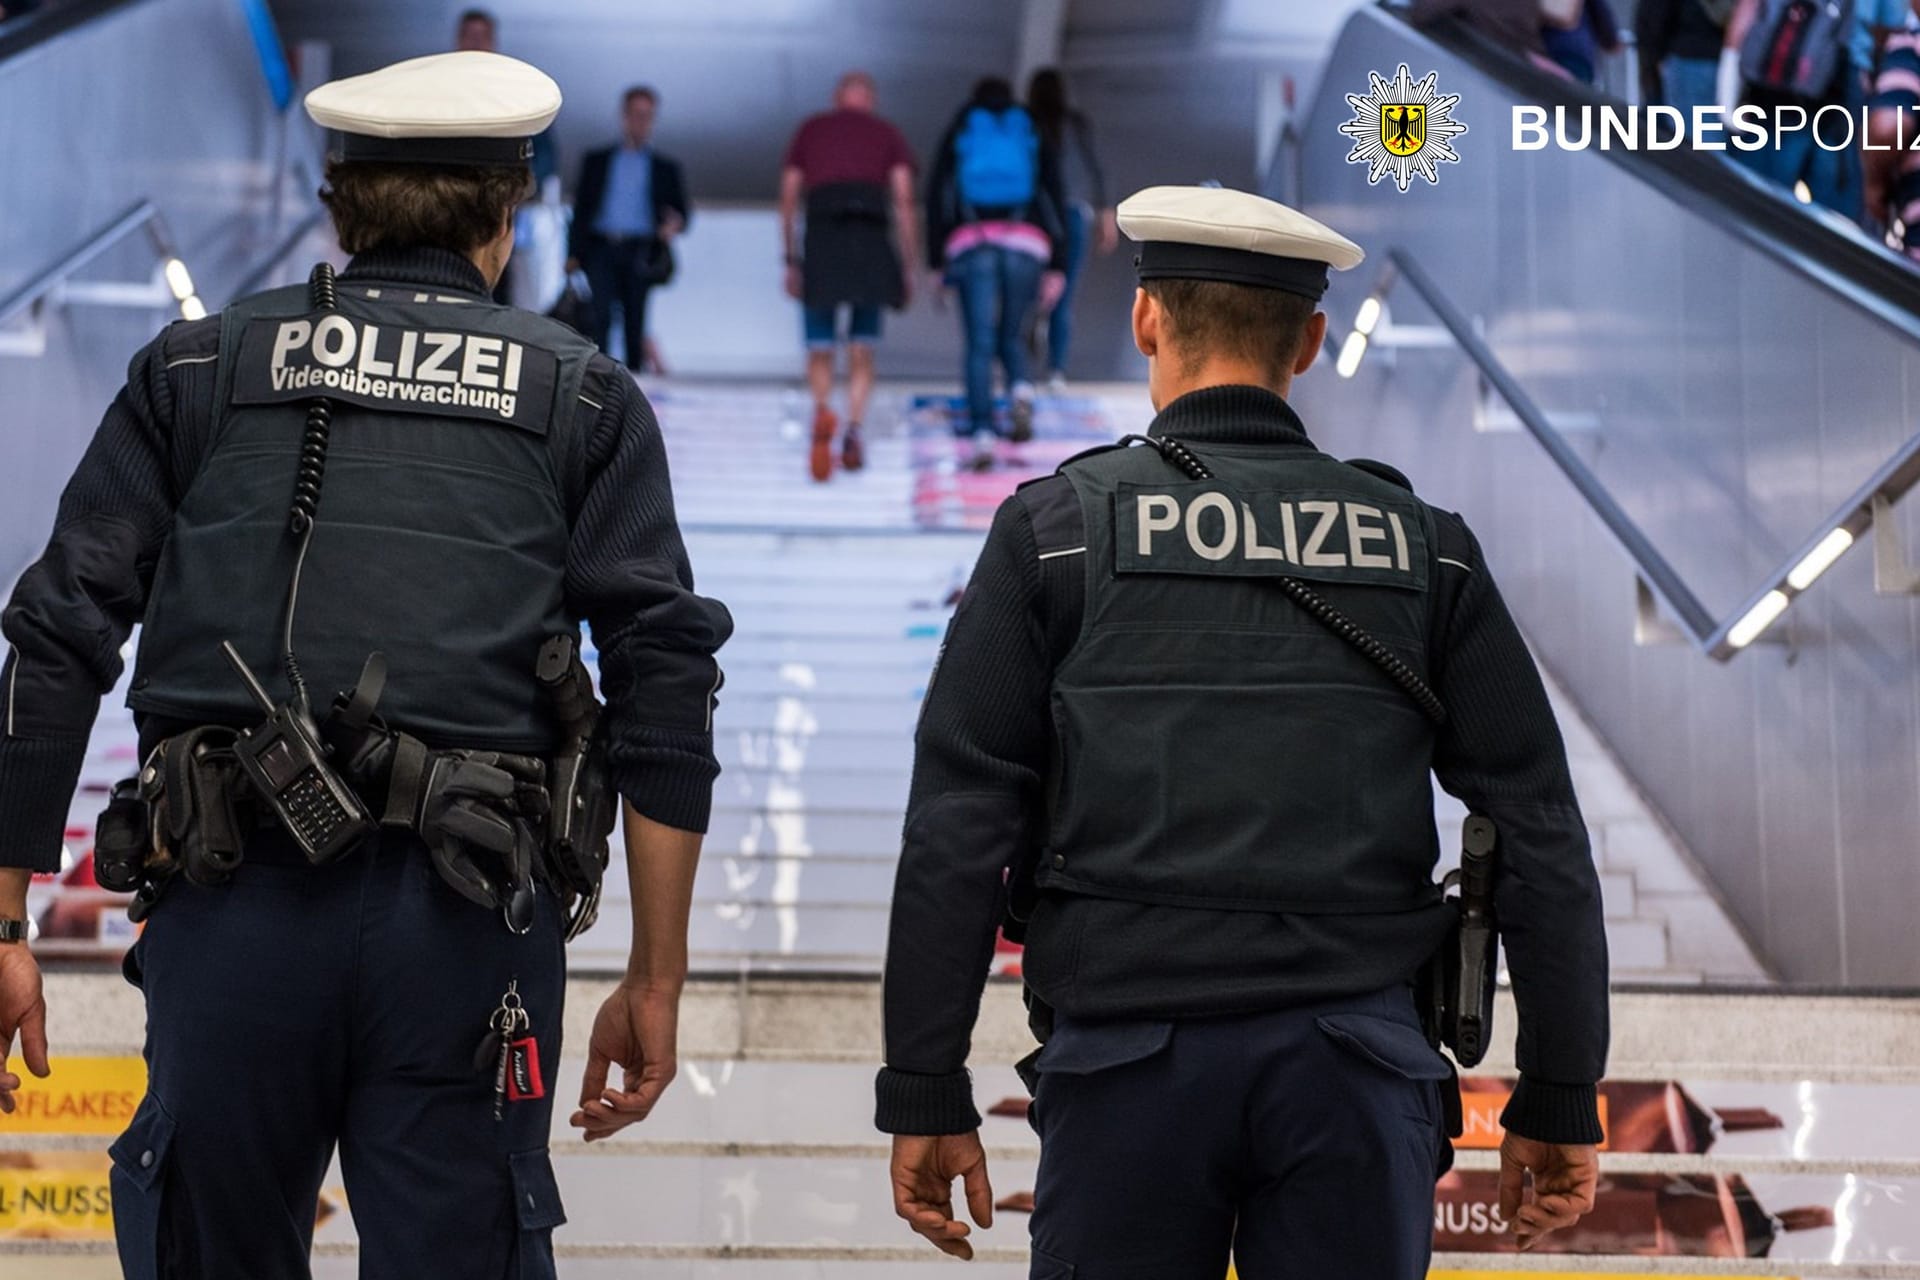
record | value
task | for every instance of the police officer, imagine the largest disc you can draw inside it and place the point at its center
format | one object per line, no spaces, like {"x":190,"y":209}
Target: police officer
{"x":1211,"y":799}
{"x":387,"y":462}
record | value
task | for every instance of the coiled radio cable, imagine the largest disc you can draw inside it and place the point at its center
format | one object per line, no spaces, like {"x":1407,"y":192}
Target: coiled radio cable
{"x":322,"y":295}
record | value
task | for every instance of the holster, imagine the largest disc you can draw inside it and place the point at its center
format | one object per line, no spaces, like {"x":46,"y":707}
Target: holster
{"x":585,"y":806}
{"x":201,"y":809}
{"x":584,"y":802}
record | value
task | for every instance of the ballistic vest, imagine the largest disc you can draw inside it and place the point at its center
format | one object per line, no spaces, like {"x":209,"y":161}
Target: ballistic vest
{"x":1216,"y":746}
{"x":441,"y":537}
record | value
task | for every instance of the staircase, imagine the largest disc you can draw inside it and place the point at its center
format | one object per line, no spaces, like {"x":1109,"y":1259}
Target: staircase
{"x":762,"y":1164}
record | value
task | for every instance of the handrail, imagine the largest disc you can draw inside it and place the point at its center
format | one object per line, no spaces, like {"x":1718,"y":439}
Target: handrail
{"x":1660,"y":575}
{"x":140,"y":214}
{"x":254,"y":279}
{"x":1719,"y":639}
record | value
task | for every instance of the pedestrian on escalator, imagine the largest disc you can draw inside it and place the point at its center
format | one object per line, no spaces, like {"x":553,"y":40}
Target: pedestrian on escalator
{"x":1089,"y":214}
{"x":1772,"y":48}
{"x":357,"y":903}
{"x":1575,"y":33}
{"x":997,"y":237}
{"x":1182,"y":737}
{"x":854,"y":172}
{"x":1679,"y":46}
{"x":1893,"y":175}
{"x":629,"y":206}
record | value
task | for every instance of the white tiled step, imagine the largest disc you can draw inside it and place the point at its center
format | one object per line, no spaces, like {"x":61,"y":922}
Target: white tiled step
{"x":1636,"y":946}
{"x":882,"y":753}
{"x":820,"y":789}
{"x":860,"y":653}
{"x":857,"y":881}
{"x":748,"y":829}
{"x":904,"y":680}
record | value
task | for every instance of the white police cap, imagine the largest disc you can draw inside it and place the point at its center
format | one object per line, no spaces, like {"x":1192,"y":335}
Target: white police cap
{"x":467,"y":108}
{"x":1215,"y":233}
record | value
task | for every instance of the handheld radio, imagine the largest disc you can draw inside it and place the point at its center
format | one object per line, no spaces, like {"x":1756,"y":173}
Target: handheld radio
{"x":284,"y":760}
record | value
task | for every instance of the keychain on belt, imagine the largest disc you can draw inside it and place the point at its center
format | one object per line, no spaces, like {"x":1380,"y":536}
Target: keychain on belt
{"x":510,"y":1049}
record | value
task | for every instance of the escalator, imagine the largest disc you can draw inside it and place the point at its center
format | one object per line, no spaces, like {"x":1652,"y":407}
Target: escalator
{"x":1679,"y":408}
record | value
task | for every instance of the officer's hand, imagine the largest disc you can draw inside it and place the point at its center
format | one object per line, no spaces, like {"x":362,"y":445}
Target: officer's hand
{"x":1564,"y":1178}
{"x":639,"y":1028}
{"x":923,"y":1174}
{"x":23,"y":1009}
{"x":793,"y":283}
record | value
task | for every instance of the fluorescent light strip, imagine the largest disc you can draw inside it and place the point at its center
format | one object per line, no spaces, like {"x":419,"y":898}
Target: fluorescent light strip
{"x":1758,"y":619}
{"x":1820,"y":559}
{"x":1352,"y":351}
{"x":191,"y":308}
{"x":1367,"y":318}
{"x":178,"y":279}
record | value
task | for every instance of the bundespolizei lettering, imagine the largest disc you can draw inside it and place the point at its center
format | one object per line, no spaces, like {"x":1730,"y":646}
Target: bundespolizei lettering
{"x":1209,"y":528}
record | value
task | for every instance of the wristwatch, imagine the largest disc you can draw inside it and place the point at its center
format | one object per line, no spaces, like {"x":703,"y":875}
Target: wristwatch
{"x":12,"y":930}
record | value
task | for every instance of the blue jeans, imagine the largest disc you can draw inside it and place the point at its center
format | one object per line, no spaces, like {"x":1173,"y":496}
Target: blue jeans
{"x":997,"y":288}
{"x":1835,"y":179}
{"x":1687,"y":83}
{"x":820,"y":324}
{"x":1060,"y":323}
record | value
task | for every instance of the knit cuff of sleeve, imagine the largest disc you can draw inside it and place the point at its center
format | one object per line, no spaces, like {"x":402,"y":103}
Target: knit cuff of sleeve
{"x":1562,"y":1113}
{"x":675,"y":793}
{"x":37,"y":780}
{"x":924,"y":1105}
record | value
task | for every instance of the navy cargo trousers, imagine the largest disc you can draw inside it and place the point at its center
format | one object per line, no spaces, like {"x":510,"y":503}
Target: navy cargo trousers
{"x":297,"y":1009}
{"x":1304,"y":1142}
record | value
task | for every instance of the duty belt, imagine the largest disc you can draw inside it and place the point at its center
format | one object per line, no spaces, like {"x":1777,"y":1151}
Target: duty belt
{"x":492,"y":821}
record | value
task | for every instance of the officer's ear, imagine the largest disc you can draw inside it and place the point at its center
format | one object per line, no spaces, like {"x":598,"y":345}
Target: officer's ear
{"x":1147,"y":318}
{"x":1311,"y":340}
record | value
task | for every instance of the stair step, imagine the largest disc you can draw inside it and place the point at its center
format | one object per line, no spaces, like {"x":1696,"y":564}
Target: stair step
{"x":1636,"y":945}
{"x":1618,"y":895}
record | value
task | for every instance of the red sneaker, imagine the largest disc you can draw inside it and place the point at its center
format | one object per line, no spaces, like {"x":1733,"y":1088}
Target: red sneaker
{"x":853,"y":452}
{"x":820,"y":458}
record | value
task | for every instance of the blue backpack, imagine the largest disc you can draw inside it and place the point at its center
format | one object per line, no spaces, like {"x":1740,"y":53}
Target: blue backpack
{"x":999,"y":158}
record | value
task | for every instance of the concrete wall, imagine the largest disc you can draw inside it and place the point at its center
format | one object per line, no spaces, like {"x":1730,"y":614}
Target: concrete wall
{"x":1737,"y":404}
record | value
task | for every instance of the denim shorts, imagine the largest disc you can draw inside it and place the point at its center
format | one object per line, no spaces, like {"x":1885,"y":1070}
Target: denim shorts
{"x":821,"y":322}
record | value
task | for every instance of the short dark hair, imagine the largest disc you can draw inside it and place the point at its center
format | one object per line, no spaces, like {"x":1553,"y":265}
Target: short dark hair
{"x":407,"y":206}
{"x":646,"y":91}
{"x":1241,"y":321}
{"x":476,"y":15}
{"x":992,"y":92}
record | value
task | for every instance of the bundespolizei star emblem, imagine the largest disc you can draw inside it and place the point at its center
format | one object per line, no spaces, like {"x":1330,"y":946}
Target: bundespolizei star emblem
{"x":1402,"y":127}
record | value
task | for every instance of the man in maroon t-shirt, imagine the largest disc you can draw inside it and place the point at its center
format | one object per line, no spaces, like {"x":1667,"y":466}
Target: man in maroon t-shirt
{"x":855,"y":172}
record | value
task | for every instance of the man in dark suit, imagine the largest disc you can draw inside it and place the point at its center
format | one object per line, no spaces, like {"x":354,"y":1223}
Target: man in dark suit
{"x":630,"y":203}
